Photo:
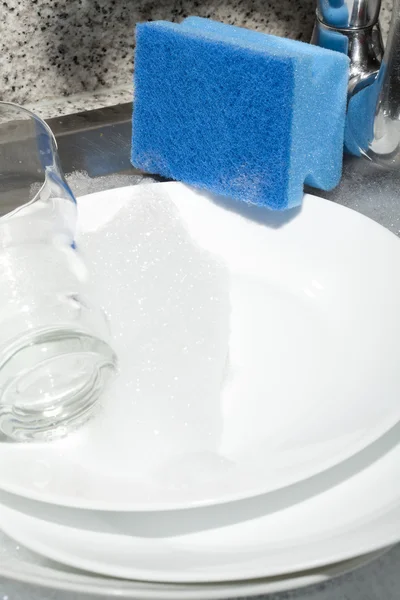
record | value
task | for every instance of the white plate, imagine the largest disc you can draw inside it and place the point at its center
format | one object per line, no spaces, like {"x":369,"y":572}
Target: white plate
{"x":256,"y":349}
{"x":351,"y":510}
{"x":21,"y":565}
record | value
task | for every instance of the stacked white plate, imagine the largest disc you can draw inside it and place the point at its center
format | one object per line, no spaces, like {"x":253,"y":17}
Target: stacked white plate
{"x":251,"y":441}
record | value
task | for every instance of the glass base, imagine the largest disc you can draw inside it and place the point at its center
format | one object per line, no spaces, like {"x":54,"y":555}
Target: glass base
{"x":50,"y":382}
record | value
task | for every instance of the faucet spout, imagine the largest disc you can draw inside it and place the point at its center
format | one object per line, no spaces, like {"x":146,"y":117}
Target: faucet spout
{"x":373,"y":116}
{"x":350,"y":14}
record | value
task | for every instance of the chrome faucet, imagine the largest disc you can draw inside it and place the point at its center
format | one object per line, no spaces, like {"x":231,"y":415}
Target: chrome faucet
{"x":373,"y":115}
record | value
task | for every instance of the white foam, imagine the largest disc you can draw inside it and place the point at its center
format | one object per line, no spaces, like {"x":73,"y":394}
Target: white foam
{"x":168,"y":303}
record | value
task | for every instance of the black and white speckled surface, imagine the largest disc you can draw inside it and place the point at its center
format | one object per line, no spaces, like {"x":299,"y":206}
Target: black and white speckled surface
{"x":59,"y":48}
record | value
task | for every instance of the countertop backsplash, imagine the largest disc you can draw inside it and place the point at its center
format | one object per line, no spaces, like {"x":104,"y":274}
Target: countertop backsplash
{"x":68,"y":50}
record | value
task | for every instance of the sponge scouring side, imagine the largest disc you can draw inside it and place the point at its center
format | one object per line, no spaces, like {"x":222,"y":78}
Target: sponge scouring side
{"x":237,"y":112}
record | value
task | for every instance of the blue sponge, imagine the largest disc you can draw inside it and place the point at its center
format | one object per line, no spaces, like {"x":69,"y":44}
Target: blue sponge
{"x":236,"y":112}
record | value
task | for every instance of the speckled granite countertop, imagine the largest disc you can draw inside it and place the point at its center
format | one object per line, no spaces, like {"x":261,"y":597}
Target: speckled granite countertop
{"x":62,"y":56}
{"x":54,"y":107}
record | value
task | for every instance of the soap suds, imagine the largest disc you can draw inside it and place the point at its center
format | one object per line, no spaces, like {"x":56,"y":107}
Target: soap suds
{"x":168,"y":304}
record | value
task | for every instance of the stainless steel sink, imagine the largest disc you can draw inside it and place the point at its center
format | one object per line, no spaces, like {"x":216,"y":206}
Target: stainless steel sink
{"x":98,"y":143}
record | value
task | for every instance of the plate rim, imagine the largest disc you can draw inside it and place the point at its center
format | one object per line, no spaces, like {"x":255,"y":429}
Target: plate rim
{"x":172,"y":505}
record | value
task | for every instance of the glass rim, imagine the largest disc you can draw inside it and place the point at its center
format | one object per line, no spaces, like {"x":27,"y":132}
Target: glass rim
{"x":58,"y":169}
{"x":33,"y":115}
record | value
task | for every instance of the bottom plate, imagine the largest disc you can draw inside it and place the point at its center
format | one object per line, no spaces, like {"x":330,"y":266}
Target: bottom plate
{"x":21,"y":565}
{"x":328,"y":519}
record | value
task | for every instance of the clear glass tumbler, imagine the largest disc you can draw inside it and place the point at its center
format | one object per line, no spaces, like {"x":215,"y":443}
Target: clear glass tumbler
{"x":55,"y":355}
